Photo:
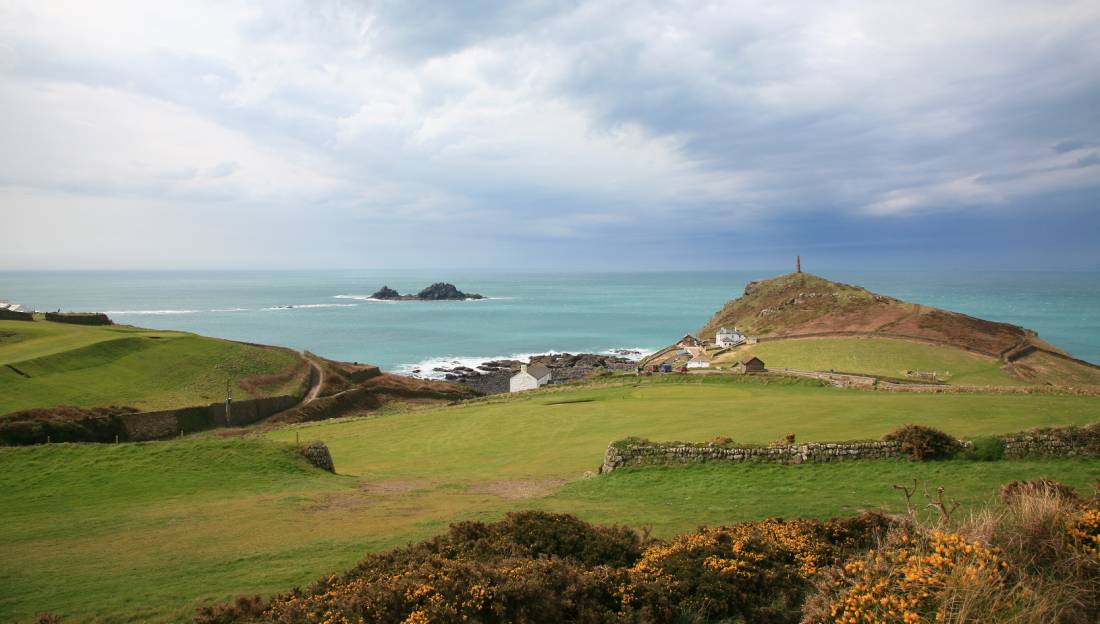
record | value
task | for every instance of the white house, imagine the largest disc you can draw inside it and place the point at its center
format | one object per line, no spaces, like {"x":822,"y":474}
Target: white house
{"x":529,"y":378}
{"x":699,"y":361}
{"x":726,"y":337}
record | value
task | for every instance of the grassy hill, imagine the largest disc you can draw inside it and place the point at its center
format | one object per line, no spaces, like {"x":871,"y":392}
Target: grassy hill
{"x":44,"y":364}
{"x":138,"y":532}
{"x":881,"y":357}
{"x":800,"y":304}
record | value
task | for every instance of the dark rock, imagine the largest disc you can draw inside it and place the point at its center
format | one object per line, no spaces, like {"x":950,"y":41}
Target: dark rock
{"x":318,"y":455}
{"x":386,"y":293}
{"x":439,"y":291}
{"x":442,"y":291}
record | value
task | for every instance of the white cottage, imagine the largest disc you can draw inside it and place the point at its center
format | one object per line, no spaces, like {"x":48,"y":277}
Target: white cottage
{"x":726,"y":337}
{"x":699,"y":361}
{"x":529,"y":378}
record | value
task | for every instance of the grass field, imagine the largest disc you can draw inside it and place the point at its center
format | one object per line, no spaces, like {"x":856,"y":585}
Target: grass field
{"x":883,"y":357}
{"x":138,"y":532}
{"x":60,"y":364}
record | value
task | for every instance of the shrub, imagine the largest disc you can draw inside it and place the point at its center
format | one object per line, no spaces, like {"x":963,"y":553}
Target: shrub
{"x":923,"y":443}
{"x":542,"y":567}
{"x":1032,"y":561}
{"x":1011,"y":492}
{"x":985,"y":449}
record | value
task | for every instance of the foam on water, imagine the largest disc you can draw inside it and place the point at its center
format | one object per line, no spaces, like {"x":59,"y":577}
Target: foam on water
{"x":150,"y":312}
{"x":312,"y":305}
{"x":426,"y":367}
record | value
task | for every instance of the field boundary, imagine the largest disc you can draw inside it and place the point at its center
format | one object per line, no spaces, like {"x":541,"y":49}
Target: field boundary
{"x":1071,"y":441}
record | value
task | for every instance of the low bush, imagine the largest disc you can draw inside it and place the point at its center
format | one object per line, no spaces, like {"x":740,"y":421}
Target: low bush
{"x":1035,"y":560}
{"x":923,"y":443}
{"x":1011,"y":492}
{"x":542,"y":567}
{"x":984,"y":449}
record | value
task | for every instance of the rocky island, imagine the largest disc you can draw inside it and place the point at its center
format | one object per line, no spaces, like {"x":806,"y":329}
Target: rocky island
{"x":439,"y":291}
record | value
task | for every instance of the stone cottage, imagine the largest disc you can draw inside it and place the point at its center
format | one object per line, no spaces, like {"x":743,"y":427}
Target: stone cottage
{"x":529,"y":378}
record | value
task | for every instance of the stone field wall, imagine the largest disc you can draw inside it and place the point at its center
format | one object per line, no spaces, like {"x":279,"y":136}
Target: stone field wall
{"x":167,"y":423}
{"x":656,"y":453}
{"x":1055,"y":442}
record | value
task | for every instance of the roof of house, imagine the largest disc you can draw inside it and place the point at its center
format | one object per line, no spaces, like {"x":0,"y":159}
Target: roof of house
{"x":753,"y":359}
{"x":538,"y":371}
{"x":726,"y":330}
{"x":689,"y":339}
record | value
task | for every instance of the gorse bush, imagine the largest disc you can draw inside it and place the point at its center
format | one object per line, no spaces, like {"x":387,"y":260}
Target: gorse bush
{"x":541,"y":567}
{"x":1034,"y":561}
{"x":923,"y":443}
{"x":1037,"y":559}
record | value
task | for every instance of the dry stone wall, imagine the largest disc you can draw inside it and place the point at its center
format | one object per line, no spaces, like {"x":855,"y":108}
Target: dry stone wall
{"x":14,"y":315}
{"x":1055,"y":442}
{"x":79,"y":318}
{"x":650,"y":453}
{"x":167,"y":423}
{"x":1058,"y":442}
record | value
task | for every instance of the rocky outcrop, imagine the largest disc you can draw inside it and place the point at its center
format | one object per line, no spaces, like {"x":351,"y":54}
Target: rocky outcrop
{"x":318,"y":455}
{"x":439,"y":291}
{"x":442,"y":291}
{"x":492,"y":377}
{"x":386,"y":293}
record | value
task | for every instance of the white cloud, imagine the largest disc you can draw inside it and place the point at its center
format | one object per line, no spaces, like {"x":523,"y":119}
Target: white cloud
{"x":597,"y":115}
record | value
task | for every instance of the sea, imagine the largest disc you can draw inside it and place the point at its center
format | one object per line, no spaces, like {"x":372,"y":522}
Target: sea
{"x":330,"y":312}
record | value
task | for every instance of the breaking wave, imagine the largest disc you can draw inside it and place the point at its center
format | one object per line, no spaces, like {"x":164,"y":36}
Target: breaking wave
{"x":154,"y":312}
{"x":426,"y":367}
{"x":313,"y":305}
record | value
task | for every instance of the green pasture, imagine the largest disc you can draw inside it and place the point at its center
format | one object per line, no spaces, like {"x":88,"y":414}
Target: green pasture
{"x":882,"y":357}
{"x":146,"y":532}
{"x":44,"y":364}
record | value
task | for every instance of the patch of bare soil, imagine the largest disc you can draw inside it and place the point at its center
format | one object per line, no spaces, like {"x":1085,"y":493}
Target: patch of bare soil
{"x":393,"y":486}
{"x":365,"y":495}
{"x":517,"y":489}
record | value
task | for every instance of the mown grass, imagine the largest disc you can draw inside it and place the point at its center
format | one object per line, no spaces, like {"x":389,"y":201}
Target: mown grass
{"x":884,"y":357}
{"x":563,"y":433}
{"x":146,"y":532}
{"x":59,"y":364}
{"x":721,"y":493}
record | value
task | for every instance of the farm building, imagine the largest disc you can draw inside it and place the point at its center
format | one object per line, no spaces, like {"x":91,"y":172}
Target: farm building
{"x":699,"y":361}
{"x":726,"y":337}
{"x":689,"y":341}
{"x":529,"y":378}
{"x":751,"y":365}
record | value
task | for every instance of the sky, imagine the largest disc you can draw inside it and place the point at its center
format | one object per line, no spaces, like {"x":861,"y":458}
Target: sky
{"x":586,"y":135}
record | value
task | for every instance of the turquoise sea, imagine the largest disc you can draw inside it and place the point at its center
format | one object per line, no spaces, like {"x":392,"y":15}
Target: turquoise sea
{"x":525,"y":313}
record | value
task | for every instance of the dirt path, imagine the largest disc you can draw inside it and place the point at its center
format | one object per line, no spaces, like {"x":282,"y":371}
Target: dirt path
{"x":315,"y":389}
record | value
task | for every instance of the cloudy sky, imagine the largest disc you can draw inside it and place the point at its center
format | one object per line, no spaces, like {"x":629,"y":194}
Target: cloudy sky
{"x":571,"y":135}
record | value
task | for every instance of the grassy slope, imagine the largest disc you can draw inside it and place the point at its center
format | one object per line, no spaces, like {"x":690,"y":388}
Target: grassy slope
{"x":884,"y":357}
{"x":78,"y":365}
{"x":147,"y":530}
{"x":545,"y":435}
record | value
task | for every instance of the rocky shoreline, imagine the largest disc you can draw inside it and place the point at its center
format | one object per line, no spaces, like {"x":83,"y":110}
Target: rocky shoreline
{"x":491,"y":377}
